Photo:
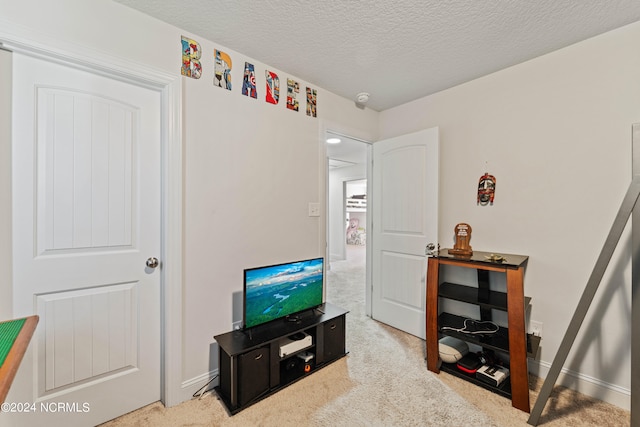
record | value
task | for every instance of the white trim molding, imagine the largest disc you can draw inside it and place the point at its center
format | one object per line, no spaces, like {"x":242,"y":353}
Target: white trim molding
{"x":189,"y":387}
{"x":585,"y":384}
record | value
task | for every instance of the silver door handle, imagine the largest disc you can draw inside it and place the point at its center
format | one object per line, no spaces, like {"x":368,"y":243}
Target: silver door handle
{"x":152,"y":262}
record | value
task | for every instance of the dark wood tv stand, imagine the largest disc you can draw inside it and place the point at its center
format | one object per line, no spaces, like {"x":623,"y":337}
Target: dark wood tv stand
{"x":249,"y":362}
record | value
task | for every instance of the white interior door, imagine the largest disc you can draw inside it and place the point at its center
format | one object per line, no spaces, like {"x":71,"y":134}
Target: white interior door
{"x":86,"y":217}
{"x":405,"y":220}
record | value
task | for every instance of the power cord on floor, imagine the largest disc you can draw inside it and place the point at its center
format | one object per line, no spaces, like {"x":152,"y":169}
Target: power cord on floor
{"x":202,"y":390}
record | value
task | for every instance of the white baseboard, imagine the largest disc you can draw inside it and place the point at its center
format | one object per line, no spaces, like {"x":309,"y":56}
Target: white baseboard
{"x":585,"y":384}
{"x":189,"y":387}
{"x":337,"y":257}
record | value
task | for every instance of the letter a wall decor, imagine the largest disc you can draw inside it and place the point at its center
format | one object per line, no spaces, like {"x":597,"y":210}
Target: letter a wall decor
{"x":273,"y":87}
{"x":222,"y":70}
{"x":249,"y":81}
{"x":191,"y":55}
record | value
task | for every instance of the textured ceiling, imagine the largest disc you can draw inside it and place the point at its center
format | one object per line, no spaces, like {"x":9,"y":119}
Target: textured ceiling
{"x":397,"y":50}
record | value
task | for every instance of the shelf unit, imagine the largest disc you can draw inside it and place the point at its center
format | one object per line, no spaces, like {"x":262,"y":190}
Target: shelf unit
{"x":512,"y":340}
{"x":356,"y":205}
{"x":250,"y":365}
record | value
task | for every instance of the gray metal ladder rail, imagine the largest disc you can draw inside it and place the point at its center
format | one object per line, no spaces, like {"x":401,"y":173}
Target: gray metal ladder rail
{"x":628,"y":203}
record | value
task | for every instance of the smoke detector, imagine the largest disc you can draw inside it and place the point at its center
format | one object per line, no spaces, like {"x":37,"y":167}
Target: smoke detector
{"x":362,"y":98}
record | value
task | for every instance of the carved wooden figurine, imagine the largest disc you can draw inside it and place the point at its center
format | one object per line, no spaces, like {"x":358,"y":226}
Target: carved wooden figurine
{"x":463,"y":236}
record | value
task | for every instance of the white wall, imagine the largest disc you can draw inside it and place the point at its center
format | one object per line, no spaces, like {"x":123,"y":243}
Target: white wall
{"x":251,"y":168}
{"x":356,"y":188}
{"x":556,"y":133}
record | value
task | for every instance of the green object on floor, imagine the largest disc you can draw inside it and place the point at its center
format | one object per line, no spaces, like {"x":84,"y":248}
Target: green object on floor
{"x":8,"y":333}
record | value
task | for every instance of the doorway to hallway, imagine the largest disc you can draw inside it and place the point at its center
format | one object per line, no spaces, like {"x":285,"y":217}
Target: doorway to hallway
{"x":347,"y":220}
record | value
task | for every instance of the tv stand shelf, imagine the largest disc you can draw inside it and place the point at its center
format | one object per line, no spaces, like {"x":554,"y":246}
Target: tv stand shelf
{"x":249,"y":362}
{"x":512,"y":340}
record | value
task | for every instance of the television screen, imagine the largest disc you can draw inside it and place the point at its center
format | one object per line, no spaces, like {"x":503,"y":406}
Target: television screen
{"x":281,"y":290}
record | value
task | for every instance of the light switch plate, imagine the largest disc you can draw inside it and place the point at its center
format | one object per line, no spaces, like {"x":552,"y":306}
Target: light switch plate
{"x":314,"y":209}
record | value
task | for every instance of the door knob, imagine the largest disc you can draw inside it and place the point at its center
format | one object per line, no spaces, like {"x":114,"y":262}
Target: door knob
{"x":152,"y":262}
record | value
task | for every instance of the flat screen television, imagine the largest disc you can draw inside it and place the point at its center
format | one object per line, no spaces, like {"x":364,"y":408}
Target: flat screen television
{"x":282,"y":290}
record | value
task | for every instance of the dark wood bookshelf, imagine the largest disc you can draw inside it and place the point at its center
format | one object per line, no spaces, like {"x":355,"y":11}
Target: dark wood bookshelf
{"x":511,"y":340}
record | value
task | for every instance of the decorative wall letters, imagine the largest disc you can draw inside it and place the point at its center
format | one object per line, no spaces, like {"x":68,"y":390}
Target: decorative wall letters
{"x":273,"y":87}
{"x":222,"y":70}
{"x":222,"y":64}
{"x":191,"y":54}
{"x":311,"y":102}
{"x":293,"y":87}
{"x":249,"y":81}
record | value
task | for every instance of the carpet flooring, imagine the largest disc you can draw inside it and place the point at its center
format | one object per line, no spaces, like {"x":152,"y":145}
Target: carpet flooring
{"x":383,"y":381}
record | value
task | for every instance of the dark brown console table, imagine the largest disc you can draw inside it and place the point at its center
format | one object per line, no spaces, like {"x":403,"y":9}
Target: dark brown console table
{"x":250,"y":365}
{"x":512,"y":340}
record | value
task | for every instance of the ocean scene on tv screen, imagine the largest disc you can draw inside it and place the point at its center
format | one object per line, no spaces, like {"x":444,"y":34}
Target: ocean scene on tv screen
{"x":280,"y":290}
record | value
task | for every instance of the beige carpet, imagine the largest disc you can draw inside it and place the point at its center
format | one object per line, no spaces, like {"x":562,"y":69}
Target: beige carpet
{"x":382,"y":382}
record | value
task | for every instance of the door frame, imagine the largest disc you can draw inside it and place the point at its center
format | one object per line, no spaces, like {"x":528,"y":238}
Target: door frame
{"x":20,"y":40}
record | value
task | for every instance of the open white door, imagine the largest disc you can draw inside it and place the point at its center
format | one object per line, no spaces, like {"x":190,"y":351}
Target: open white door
{"x":86,"y":228}
{"x":405,"y":219}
